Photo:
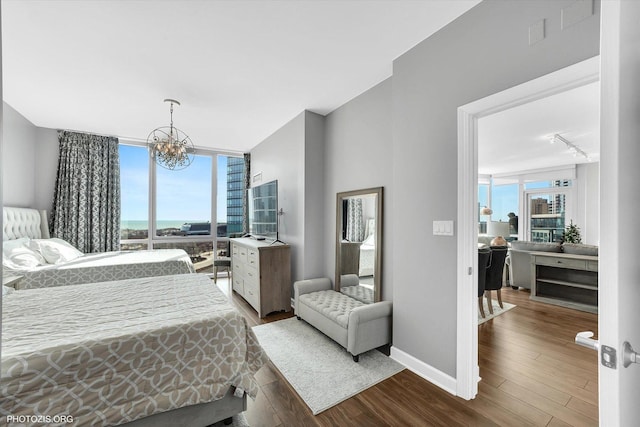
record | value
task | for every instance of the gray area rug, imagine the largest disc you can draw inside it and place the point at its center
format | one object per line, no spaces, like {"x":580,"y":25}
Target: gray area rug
{"x":320,"y":370}
{"x":497,"y":311}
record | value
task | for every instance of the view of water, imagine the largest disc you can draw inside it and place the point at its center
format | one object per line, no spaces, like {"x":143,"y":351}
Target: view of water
{"x":144,"y":225}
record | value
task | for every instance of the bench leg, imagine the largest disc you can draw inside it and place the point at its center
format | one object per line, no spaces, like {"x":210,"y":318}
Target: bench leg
{"x":356,"y":358}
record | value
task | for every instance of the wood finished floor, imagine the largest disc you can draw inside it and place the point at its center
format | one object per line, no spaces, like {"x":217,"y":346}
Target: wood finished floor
{"x":532,"y":375}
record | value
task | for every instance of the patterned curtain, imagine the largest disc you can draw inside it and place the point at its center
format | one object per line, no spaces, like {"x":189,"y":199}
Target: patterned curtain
{"x":355,"y":223}
{"x":247,"y":184}
{"x":86,"y":205}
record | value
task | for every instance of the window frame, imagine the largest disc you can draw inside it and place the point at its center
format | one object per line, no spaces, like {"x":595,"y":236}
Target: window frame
{"x":152,"y":239}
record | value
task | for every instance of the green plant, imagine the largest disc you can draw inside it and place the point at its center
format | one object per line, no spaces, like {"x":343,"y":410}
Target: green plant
{"x":571,"y":233}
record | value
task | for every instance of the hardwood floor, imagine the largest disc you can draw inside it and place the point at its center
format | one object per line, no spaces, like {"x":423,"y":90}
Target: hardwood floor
{"x":532,"y":375}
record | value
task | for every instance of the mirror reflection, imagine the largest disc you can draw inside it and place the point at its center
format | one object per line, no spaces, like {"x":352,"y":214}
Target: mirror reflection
{"x":358,"y":244}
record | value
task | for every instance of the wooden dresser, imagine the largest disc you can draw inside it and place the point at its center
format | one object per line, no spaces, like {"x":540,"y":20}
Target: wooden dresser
{"x":262,"y":274}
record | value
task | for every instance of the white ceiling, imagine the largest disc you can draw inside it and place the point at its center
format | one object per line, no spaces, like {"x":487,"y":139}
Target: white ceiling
{"x":241,"y":69}
{"x":517,"y":139}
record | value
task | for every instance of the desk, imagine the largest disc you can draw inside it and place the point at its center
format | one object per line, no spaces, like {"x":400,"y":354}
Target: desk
{"x":565,"y":279}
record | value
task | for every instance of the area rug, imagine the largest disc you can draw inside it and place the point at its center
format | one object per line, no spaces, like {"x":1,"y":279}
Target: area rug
{"x":497,"y":311}
{"x":320,"y":370}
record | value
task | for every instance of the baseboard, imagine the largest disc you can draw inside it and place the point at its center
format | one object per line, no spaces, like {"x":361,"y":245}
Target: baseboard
{"x":428,"y":372}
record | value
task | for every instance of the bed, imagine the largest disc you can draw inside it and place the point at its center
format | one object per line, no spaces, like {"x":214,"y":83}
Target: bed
{"x":26,"y":229}
{"x":368,"y":250}
{"x":146,"y":351}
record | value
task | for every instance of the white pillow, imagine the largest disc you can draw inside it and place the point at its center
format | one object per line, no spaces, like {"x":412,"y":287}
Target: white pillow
{"x":55,"y":251}
{"x":371,"y":240}
{"x":17,"y":255}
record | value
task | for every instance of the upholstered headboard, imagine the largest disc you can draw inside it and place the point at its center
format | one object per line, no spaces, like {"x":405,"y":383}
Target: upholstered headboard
{"x":24,"y":222}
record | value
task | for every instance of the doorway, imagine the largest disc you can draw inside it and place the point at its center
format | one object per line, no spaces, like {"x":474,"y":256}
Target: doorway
{"x":563,"y":80}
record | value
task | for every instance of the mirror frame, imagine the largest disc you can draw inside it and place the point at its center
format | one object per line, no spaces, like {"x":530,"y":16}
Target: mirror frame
{"x":377,"y":273}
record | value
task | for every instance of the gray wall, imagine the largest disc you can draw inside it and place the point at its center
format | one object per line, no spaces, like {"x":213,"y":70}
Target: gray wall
{"x":483,"y":52}
{"x":358,"y":153}
{"x":46,"y":162}
{"x":30,"y":162}
{"x":588,"y":202}
{"x":18,"y":166}
{"x":283,"y":156}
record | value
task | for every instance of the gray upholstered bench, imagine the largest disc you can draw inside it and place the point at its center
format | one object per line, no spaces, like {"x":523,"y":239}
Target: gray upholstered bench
{"x":356,"y":326}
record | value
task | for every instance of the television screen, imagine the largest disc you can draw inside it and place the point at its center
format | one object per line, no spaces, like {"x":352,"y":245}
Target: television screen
{"x":263,"y":210}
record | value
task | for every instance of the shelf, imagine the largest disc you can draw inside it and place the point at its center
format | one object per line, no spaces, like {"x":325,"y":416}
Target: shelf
{"x":565,"y":283}
{"x":565,"y":280}
{"x":563,"y":302}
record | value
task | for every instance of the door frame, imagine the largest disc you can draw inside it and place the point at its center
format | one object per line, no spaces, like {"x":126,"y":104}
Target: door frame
{"x":571,"y":77}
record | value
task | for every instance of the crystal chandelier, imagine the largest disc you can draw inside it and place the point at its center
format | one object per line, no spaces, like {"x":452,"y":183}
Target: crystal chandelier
{"x":169,"y":146}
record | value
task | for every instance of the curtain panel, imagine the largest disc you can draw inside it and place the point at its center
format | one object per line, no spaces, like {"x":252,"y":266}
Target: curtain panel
{"x":86,"y":205}
{"x":355,"y":222}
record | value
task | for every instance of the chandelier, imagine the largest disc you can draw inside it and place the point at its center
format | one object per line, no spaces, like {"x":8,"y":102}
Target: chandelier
{"x":169,"y":146}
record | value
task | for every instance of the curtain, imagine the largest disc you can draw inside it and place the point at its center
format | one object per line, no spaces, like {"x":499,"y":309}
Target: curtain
{"x":355,"y":223}
{"x":247,"y":184}
{"x":86,"y":205}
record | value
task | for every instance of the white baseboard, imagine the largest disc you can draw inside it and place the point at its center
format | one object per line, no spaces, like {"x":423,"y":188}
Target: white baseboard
{"x":424,"y":370}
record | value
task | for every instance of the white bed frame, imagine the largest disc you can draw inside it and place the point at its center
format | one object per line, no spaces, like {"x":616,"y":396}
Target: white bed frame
{"x":25,"y":222}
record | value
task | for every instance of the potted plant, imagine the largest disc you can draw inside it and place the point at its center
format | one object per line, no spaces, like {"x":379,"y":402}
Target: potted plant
{"x":571,"y":233}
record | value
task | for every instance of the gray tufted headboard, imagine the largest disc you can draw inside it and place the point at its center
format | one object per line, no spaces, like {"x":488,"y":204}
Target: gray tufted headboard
{"x":24,"y":222}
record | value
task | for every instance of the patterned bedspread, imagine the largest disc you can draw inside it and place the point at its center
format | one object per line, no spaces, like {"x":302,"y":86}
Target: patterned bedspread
{"x":124,"y":350}
{"x":108,"y":266}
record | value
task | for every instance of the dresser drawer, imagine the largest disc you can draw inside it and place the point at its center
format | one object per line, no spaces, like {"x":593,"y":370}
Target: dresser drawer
{"x":252,"y":295}
{"x":592,"y":265}
{"x":576,"y":264}
{"x":252,"y":257}
{"x":251,"y":275}
{"x":239,"y":253}
{"x":237,"y":267}
{"x":238,"y":285}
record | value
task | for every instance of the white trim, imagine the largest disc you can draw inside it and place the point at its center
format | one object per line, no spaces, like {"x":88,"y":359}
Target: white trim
{"x":427,"y":372}
{"x":562,"y":80}
{"x":612,"y":403}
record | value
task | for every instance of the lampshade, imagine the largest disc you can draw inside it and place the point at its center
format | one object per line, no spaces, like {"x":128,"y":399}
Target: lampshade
{"x":498,"y":228}
{"x":486,"y":211}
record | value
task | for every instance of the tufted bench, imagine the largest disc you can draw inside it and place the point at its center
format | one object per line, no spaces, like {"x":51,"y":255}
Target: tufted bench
{"x":356,"y":326}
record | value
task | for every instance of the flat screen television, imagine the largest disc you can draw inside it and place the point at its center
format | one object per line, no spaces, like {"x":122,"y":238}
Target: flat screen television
{"x":263,"y":210}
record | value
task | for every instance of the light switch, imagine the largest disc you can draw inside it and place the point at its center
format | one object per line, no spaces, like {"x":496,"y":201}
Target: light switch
{"x":443,"y":228}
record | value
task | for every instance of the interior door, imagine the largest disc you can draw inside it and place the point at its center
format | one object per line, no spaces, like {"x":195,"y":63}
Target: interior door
{"x":619,"y":281}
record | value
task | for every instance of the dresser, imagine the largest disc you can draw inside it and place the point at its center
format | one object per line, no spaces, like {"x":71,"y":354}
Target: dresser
{"x":262,"y":274}
{"x":565,"y":279}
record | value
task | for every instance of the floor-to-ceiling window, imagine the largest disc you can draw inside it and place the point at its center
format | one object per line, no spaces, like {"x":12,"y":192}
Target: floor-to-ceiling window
{"x":187,"y":209}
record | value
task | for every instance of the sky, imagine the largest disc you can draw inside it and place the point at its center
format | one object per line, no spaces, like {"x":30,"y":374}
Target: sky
{"x":183,"y":195}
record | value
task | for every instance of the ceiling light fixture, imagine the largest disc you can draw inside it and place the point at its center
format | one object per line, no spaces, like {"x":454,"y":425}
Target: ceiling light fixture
{"x":571,"y":146}
{"x":169,"y":146}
